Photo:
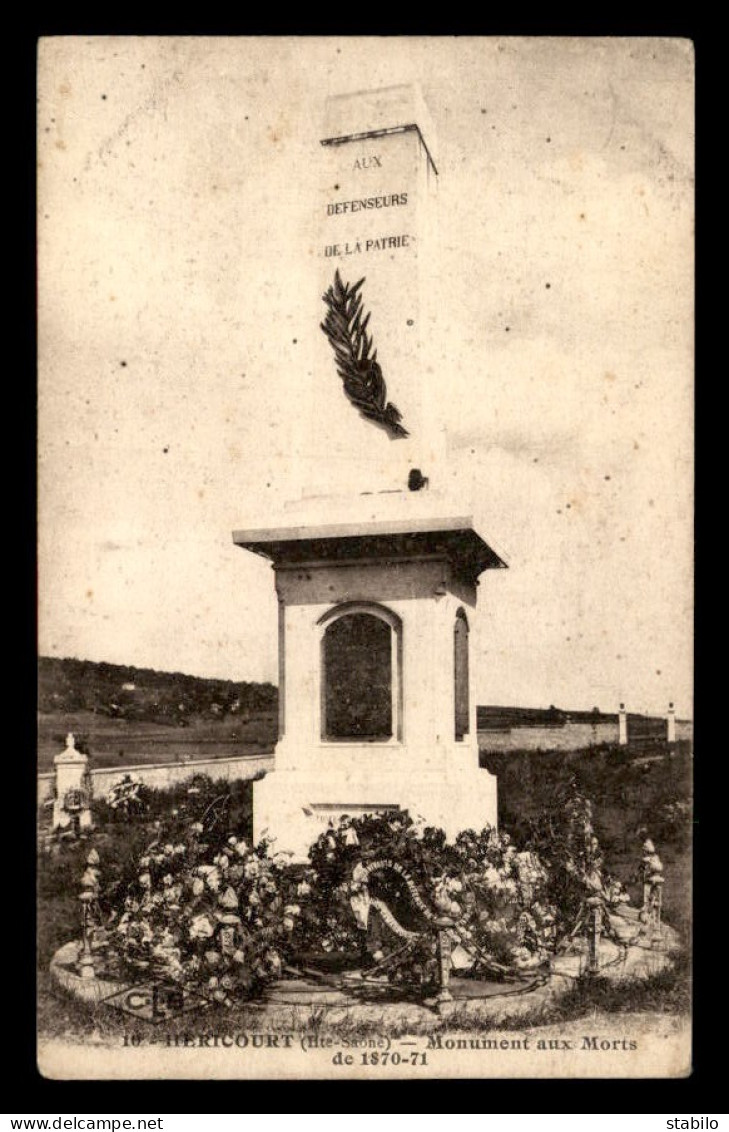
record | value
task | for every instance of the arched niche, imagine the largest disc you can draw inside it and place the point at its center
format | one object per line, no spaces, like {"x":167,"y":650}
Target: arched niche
{"x":361,"y":674}
{"x":460,"y":675}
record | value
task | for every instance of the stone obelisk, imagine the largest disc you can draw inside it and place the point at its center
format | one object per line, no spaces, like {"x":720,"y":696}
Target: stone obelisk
{"x":376,"y":220}
{"x":376,"y":563}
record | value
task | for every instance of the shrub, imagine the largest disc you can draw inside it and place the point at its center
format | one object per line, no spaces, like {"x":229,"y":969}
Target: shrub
{"x":563,"y":835}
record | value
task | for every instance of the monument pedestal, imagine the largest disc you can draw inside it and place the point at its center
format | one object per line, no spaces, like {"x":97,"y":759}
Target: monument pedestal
{"x":376,"y":615}
{"x":292,"y":807}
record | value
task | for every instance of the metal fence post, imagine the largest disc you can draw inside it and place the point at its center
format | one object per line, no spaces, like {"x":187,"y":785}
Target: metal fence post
{"x":657,"y":881}
{"x":88,"y":896}
{"x":594,"y":924}
{"x":443,"y":925}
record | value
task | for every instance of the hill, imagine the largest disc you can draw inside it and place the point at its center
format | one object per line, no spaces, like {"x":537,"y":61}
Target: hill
{"x":122,"y":715}
{"x":120,"y":691}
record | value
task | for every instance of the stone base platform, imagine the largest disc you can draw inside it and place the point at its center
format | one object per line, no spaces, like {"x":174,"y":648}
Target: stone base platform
{"x":64,"y":973}
{"x":294,"y":1000}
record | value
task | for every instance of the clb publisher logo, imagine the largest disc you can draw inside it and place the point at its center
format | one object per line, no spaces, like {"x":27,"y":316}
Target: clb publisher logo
{"x":156,"y":1002}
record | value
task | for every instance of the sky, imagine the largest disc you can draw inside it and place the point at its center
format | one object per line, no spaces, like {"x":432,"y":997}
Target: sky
{"x":176,"y":187}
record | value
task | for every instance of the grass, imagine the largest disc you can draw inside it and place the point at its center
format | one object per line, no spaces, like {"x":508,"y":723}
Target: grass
{"x":121,"y":743}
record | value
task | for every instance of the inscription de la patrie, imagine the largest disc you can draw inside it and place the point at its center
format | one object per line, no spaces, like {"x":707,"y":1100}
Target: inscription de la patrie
{"x":365,"y":741}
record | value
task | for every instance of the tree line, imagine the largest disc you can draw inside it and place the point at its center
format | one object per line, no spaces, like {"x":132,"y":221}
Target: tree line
{"x":124,"y":691}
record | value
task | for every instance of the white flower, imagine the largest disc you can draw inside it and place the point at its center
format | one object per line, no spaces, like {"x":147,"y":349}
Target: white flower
{"x":360,"y":875}
{"x":198,"y":886}
{"x":201,"y":927}
{"x":442,"y":901}
{"x":292,"y":910}
{"x":165,"y":951}
{"x":213,"y":881}
{"x":228,"y":899}
{"x":145,"y":880}
{"x":252,"y":867}
{"x":303,"y":889}
{"x":167,"y":880}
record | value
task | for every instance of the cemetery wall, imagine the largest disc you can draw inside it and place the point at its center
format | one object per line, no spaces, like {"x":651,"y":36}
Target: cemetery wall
{"x":570,"y":737}
{"x":160,"y":776}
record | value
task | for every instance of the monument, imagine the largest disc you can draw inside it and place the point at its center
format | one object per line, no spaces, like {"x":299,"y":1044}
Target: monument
{"x":377,"y":564}
{"x":71,"y":806}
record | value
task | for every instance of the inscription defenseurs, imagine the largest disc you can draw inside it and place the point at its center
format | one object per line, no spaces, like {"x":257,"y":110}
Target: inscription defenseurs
{"x":359,"y":369}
